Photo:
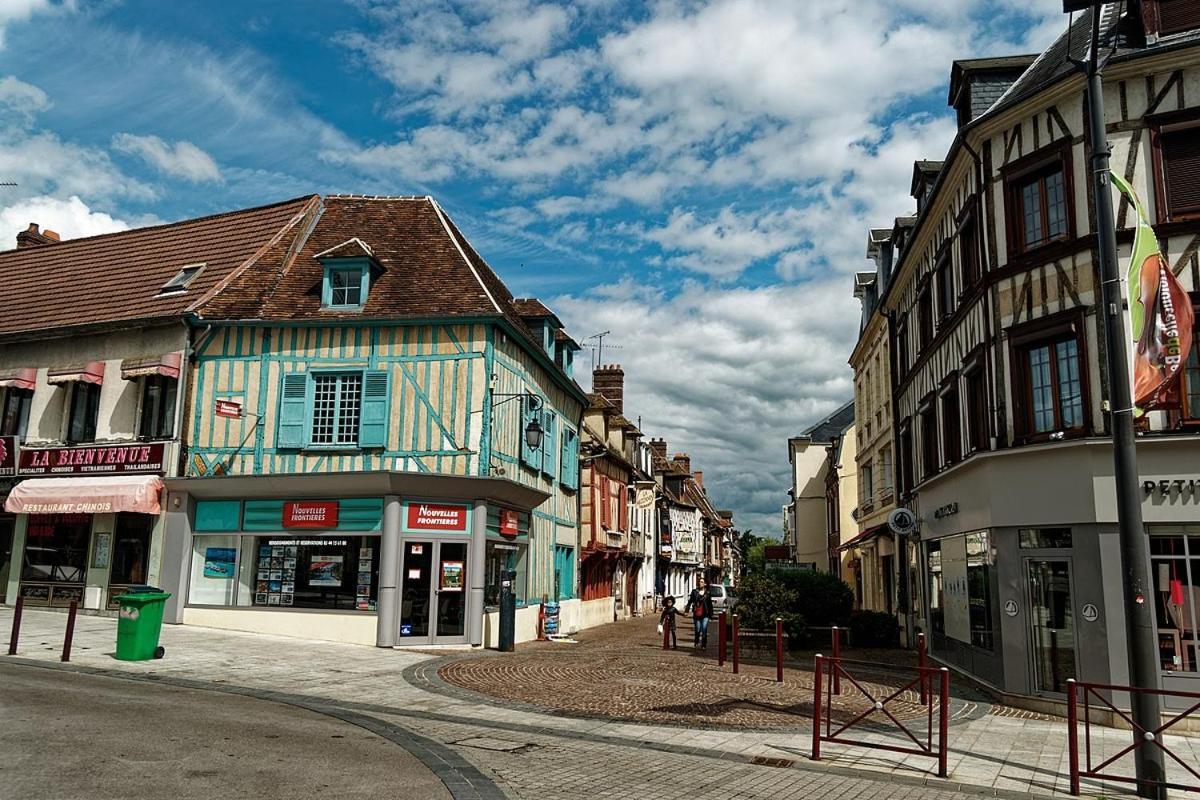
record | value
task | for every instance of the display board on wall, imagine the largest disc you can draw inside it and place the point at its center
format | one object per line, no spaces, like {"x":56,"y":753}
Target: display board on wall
{"x":956,"y":606}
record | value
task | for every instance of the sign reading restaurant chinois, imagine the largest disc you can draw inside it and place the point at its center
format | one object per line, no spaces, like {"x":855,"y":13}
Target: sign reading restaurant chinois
{"x":92,"y":459}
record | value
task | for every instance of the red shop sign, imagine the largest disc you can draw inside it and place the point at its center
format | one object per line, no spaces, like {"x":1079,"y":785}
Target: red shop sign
{"x":436,"y":517}
{"x":92,"y":459}
{"x":231,"y":409}
{"x":308,"y":514}
{"x":508,"y":522}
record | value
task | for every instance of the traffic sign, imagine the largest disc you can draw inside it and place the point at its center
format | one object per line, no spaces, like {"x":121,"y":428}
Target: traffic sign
{"x":902,"y":521}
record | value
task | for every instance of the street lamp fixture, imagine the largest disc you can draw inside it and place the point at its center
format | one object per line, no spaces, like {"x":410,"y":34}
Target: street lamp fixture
{"x":533,"y":432}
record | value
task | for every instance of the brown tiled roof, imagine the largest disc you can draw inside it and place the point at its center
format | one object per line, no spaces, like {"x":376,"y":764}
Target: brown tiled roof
{"x":116,"y":276}
{"x":532,"y":308}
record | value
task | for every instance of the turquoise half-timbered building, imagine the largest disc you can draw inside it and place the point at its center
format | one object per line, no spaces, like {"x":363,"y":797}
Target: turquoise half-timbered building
{"x":377,"y":430}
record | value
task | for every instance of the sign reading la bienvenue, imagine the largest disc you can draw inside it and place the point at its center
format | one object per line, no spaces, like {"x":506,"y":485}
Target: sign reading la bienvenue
{"x":92,"y":459}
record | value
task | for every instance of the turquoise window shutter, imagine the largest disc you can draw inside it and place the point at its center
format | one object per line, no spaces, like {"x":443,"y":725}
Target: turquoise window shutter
{"x":294,"y":404}
{"x":373,"y":418}
{"x":530,"y":457}
{"x":570,"y":459}
{"x":550,"y":443}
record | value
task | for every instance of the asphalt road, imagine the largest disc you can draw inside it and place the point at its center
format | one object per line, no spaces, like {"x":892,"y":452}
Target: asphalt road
{"x":65,"y":736}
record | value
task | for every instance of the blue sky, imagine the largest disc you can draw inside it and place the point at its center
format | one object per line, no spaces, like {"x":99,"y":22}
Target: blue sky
{"x":697,"y":177}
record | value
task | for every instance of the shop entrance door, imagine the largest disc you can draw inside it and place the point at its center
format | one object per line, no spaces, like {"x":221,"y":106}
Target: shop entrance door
{"x":433,"y":593}
{"x":1052,"y":624}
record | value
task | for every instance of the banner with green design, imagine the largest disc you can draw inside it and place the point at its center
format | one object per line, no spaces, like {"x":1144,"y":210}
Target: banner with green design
{"x":1160,"y":318}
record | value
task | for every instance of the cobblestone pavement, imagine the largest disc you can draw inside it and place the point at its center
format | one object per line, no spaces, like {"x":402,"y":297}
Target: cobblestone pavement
{"x":530,"y":752}
{"x":621,"y":671}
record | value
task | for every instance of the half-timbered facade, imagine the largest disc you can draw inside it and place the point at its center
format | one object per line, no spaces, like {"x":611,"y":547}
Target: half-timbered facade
{"x":362,"y":417}
{"x":998,"y":359}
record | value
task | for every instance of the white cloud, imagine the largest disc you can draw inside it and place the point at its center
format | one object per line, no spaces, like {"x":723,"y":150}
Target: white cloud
{"x":21,"y":98}
{"x":22,"y":10}
{"x":181,"y":160}
{"x":42,"y":163}
{"x":70,"y":218}
{"x":727,"y":376}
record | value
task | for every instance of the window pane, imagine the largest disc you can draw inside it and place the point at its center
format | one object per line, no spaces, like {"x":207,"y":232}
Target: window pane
{"x":15,"y":417}
{"x":332,"y":573}
{"x":1069,"y":387}
{"x":936,"y":604}
{"x":1041,"y":388}
{"x":1056,"y":206}
{"x":324,"y":408}
{"x":349,"y":406}
{"x":346,"y":287}
{"x":979,"y":589}
{"x":213,"y":577}
{"x":1175,"y":609}
{"x":499,"y":556}
{"x":85,"y":406}
{"x":1031,"y":208}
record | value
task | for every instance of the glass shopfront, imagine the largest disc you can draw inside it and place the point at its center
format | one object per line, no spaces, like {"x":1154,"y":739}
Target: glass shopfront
{"x":254,"y":557}
{"x":1175,"y":575}
{"x":54,"y":561}
{"x":507,"y":550}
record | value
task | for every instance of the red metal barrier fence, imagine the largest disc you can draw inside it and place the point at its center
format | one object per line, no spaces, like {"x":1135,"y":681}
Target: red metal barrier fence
{"x":1085,"y":694}
{"x":823,"y":724}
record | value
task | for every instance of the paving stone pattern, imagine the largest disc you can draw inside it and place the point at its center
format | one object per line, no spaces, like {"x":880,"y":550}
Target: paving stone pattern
{"x":567,"y":754}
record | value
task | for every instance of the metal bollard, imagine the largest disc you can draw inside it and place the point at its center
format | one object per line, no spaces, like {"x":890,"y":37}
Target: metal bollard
{"x":836,"y":678}
{"x":16,"y":628}
{"x":778,"y":650}
{"x":722,"y":639}
{"x":924,"y":681}
{"x":70,"y":635}
{"x":1073,"y":735}
{"x":736,"y":645}
{"x":819,"y":662}
{"x":944,"y":722}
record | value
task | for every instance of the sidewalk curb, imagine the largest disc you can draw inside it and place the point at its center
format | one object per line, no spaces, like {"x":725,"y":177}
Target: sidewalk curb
{"x":466,"y":781}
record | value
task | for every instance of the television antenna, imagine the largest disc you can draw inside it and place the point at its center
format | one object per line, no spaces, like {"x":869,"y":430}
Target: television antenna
{"x":598,"y":348}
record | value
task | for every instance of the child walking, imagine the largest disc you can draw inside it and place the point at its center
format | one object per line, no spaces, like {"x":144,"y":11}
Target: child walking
{"x":667,"y":620}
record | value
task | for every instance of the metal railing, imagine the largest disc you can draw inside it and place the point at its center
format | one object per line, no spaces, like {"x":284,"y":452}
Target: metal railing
{"x":835,"y":669}
{"x":1084,"y":694}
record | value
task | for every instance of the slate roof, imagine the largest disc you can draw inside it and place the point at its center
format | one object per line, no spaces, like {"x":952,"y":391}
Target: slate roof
{"x":116,"y":277}
{"x":833,"y":425}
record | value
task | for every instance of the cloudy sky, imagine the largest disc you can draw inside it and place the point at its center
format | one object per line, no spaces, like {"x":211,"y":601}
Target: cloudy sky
{"x":695,"y":177}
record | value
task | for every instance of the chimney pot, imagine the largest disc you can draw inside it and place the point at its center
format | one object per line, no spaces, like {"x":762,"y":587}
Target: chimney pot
{"x":608,"y":381}
{"x":32,"y":237}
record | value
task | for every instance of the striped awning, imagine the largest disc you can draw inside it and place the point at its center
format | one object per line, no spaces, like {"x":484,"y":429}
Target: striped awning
{"x":91,"y":372}
{"x":21,"y":378}
{"x":166,"y":364}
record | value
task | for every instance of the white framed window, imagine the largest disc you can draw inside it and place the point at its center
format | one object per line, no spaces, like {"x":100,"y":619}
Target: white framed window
{"x":336,"y":409}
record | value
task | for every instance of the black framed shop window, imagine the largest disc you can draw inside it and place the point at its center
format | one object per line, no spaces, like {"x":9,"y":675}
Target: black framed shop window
{"x":337,"y":573}
{"x":980,"y":584}
{"x":82,"y":412}
{"x":131,"y":548}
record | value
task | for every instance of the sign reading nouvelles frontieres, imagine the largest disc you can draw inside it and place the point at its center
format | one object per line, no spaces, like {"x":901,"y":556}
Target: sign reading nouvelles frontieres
{"x":92,"y":459}
{"x":420,"y":517}
{"x":310,"y":514}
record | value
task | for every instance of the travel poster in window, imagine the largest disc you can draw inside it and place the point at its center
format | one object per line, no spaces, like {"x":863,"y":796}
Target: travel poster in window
{"x":325,"y":571}
{"x":218,"y":562}
{"x":452,"y":576}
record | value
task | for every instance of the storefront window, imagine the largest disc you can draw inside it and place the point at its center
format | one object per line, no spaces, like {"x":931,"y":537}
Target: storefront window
{"x":499,"y":556}
{"x":131,"y":549}
{"x":979,"y":589}
{"x":1175,"y":563}
{"x":937,"y":620}
{"x":55,"y":559}
{"x":1044,"y":538}
{"x":333,"y":573}
{"x":213,"y":570}
{"x":564,"y":572}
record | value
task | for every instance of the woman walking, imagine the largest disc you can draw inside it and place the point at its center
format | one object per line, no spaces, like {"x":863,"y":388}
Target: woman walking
{"x":700,"y":604}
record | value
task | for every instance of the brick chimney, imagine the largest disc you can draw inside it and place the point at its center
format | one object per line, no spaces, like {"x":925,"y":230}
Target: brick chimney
{"x":32,"y":237}
{"x":608,"y":381}
{"x":698,"y":477}
{"x":659,"y":446}
{"x":684,"y":461}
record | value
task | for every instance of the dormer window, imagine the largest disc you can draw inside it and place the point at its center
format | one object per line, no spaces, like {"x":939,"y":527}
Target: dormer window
{"x":347,"y":277}
{"x":1176,"y":16}
{"x":182,"y":279}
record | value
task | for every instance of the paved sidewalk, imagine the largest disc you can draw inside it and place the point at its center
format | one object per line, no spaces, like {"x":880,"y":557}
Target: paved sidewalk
{"x":989,"y":753}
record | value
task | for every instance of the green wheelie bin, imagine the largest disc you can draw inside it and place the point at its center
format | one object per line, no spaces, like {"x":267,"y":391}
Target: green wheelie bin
{"x":139,"y":623}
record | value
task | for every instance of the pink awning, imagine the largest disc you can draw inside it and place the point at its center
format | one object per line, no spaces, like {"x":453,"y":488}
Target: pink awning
{"x":21,"y":378}
{"x":138,"y":493}
{"x":91,"y":372}
{"x":167,"y":364}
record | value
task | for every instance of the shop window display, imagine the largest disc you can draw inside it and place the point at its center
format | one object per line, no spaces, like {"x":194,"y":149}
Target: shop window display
{"x":1175,"y":565}
{"x":55,"y":558}
{"x":333,"y":573}
{"x":979,"y":589}
{"x":937,"y":620}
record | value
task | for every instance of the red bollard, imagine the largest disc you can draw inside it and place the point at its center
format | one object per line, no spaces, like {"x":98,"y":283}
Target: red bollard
{"x":16,"y":628}
{"x":721,"y":639}
{"x":70,"y":635}
{"x":1073,"y":735}
{"x":924,"y":681}
{"x":778,"y":650}
{"x":667,"y":632}
{"x":836,"y":678}
{"x":944,"y":722}
{"x":817,"y":674}
{"x":736,"y":645}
